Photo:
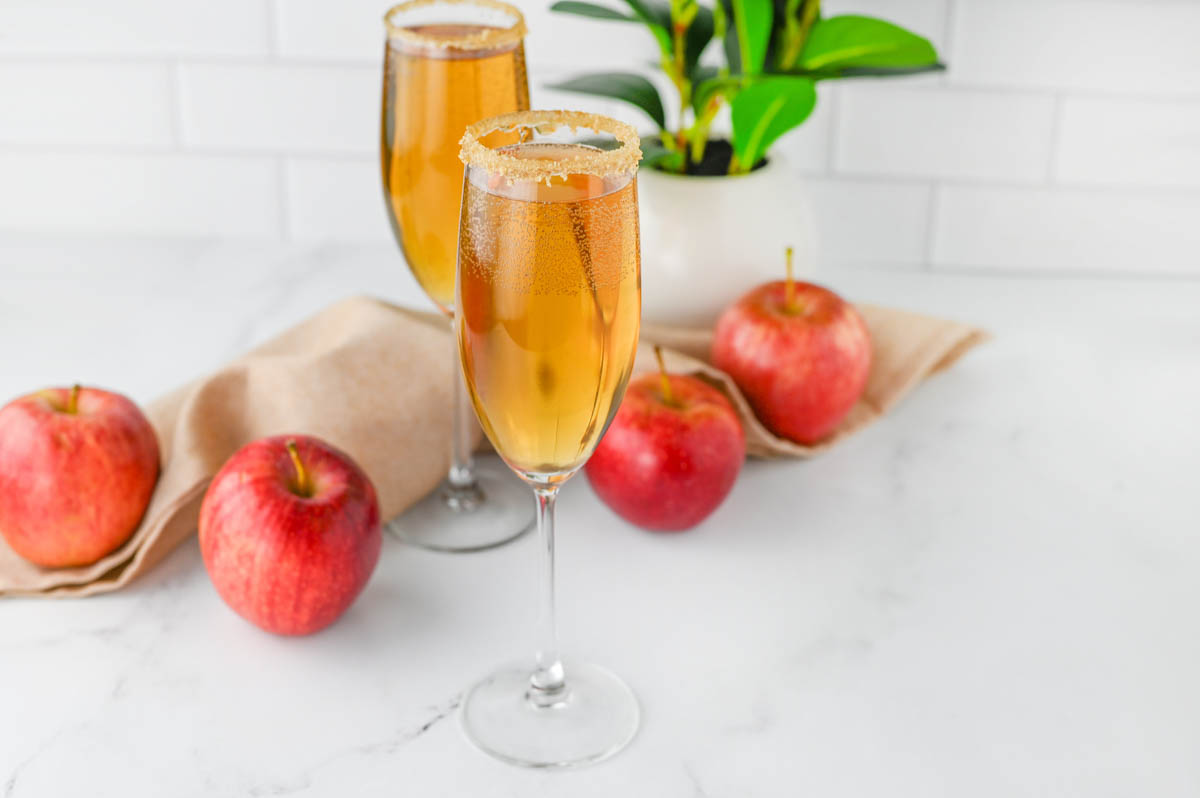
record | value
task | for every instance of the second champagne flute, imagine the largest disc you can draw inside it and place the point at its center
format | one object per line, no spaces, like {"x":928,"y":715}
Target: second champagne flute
{"x":549,"y":299}
{"x":448,"y":64}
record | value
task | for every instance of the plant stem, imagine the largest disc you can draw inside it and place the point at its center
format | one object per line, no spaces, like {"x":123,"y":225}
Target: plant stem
{"x":303,"y":487}
{"x":699,"y":137}
{"x":547,"y":685}
{"x":683,"y":86}
{"x":796,"y":30}
{"x":664,"y":379}
{"x":789,"y":287}
{"x":699,"y":130}
{"x":73,"y":399}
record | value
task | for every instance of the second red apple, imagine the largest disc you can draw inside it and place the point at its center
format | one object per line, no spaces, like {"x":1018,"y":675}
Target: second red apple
{"x":290,"y":533}
{"x":671,"y":454}
{"x":800,"y":354}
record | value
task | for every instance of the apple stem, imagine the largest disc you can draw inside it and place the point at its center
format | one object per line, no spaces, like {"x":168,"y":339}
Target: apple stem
{"x":663,"y":378}
{"x":789,"y":287}
{"x":73,"y":399}
{"x":302,"y":485}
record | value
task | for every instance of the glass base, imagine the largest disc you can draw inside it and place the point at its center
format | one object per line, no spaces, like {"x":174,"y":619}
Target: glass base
{"x":498,"y":508}
{"x":595,"y":719}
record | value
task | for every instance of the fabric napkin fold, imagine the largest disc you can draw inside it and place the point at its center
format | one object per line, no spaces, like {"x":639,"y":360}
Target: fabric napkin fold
{"x":374,"y":380}
{"x":905,"y":349}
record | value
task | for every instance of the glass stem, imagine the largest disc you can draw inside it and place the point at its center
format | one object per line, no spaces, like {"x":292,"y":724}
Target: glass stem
{"x":462,"y":462}
{"x":547,"y":685}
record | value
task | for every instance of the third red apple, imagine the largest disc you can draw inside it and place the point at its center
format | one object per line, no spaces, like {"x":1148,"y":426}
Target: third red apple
{"x":800,"y":354}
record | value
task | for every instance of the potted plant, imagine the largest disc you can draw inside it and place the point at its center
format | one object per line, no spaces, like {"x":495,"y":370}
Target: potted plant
{"x":715,"y":211}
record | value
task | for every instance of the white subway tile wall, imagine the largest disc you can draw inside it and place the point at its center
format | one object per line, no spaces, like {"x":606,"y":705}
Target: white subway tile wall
{"x":1064,"y":138}
{"x":279,"y":108}
{"x":135,"y":28}
{"x":943,"y":133}
{"x":314,"y":29}
{"x":83,"y":105}
{"x":1145,"y":47}
{"x":167,"y":194}
{"x":1119,"y":141}
{"x":1066,"y":230}
{"x":872,"y":223}
{"x":336,"y":200}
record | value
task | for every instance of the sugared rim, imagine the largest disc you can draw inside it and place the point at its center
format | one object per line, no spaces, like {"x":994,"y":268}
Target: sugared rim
{"x":599,"y":163}
{"x":484,"y":40}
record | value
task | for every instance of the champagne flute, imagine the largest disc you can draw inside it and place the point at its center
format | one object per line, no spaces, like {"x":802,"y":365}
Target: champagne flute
{"x":447,"y":64}
{"x":549,"y":305}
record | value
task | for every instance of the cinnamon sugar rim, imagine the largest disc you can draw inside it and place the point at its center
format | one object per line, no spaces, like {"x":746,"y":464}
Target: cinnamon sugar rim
{"x":598,"y":163}
{"x":482,"y":40}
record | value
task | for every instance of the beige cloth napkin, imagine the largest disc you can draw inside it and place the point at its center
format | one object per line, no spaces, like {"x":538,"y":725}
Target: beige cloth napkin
{"x":374,"y":380}
{"x":905,"y":349}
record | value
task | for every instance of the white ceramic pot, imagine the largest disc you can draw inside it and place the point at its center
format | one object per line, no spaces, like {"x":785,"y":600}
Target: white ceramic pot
{"x":708,"y":240}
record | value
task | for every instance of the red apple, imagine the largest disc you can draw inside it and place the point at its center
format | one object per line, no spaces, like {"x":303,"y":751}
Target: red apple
{"x":290,"y":533}
{"x":799,"y":353}
{"x":671,"y":454}
{"x":77,"y":467}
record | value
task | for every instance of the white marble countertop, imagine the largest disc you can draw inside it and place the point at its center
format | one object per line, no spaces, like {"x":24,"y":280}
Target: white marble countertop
{"x":993,"y":592}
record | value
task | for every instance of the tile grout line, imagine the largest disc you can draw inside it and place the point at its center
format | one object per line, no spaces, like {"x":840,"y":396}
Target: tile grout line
{"x":963,"y":269}
{"x":948,"y":20}
{"x":998,"y":184}
{"x":274,"y":13}
{"x":931,"y":212}
{"x":268,"y":59}
{"x":835,"y":129}
{"x":1055,"y":140}
{"x":849,"y":178}
{"x":285,"y":201}
{"x":154,"y":151}
{"x":175,"y":78}
{"x":192,"y":59}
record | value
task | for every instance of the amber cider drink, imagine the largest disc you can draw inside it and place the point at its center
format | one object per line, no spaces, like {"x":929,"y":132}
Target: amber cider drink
{"x":431,"y":92}
{"x":549,"y":308}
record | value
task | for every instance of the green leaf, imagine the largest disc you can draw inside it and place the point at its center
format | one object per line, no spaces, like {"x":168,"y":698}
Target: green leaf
{"x":699,"y":34}
{"x":855,"y":41}
{"x":582,"y":9}
{"x":656,"y":155}
{"x":870,"y":72}
{"x":650,"y":13}
{"x":749,"y":34}
{"x":765,"y":110}
{"x":658,"y":10}
{"x":704,"y":72}
{"x":657,"y":17}
{"x":707,"y":88}
{"x":625,"y":86}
